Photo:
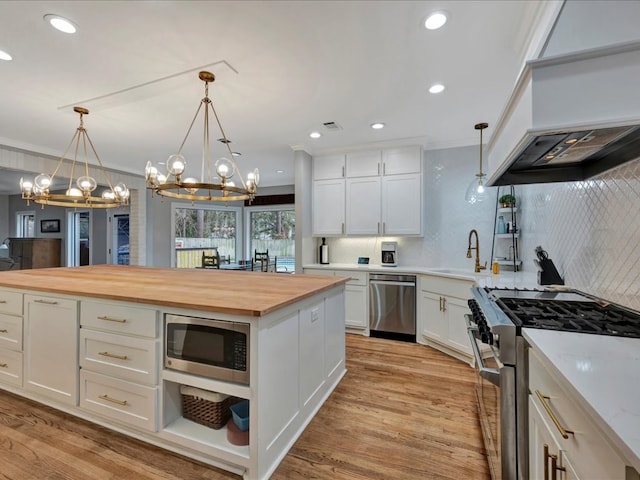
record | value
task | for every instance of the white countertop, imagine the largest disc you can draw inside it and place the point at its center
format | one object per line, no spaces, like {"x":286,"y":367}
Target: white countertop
{"x":483,"y":279}
{"x":604,"y":375}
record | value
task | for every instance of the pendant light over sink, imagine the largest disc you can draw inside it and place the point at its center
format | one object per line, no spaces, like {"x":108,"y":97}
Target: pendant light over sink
{"x":215,"y":184}
{"x":477,"y":191}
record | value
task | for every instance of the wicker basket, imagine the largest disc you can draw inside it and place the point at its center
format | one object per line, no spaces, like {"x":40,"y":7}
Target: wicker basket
{"x":206,"y":408}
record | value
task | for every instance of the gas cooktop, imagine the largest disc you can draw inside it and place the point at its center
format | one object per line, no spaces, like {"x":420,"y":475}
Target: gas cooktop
{"x":571,"y":311}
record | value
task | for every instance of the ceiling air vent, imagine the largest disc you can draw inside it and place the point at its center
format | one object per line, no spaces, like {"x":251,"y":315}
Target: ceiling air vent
{"x":332,"y":126}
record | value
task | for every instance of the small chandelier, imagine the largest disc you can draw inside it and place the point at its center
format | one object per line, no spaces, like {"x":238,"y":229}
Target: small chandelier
{"x":477,"y":191}
{"x":205,"y":189}
{"x":80,"y":195}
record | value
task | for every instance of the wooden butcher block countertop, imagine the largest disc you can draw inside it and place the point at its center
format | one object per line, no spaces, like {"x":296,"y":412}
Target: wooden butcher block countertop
{"x":240,"y":293}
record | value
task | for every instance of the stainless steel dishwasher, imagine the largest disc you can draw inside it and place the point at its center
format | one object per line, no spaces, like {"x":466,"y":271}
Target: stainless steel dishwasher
{"x":392,"y":306}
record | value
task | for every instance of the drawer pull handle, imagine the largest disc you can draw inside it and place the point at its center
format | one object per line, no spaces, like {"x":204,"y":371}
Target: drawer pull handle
{"x":543,"y":399}
{"x":113,"y":355}
{"x":4,"y":365}
{"x":113,"y":400}
{"x":46,"y":302}
{"x":4,"y":330}
{"x":111,"y":319}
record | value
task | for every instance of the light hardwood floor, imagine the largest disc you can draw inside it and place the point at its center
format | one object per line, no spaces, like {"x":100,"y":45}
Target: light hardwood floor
{"x":403,"y":411}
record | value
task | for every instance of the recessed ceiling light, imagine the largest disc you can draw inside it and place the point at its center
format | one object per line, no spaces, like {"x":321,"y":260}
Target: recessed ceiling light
{"x":315,"y":134}
{"x":236,"y":154}
{"x":280,"y":171}
{"x":377,"y":126}
{"x":60,"y":23}
{"x":435,"y":20}
{"x":436,"y":88}
{"x":5,"y":56}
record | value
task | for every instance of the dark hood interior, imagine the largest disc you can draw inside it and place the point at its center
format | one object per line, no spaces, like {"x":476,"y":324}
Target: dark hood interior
{"x":572,"y":156}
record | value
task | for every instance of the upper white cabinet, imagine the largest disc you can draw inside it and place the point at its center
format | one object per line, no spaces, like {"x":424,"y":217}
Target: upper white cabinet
{"x":382,"y":194}
{"x":328,"y":207}
{"x":327,"y":167}
{"x":364,"y":164}
{"x":396,"y":161}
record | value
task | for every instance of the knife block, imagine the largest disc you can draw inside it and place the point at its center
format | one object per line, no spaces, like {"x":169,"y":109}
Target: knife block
{"x":548,"y":273}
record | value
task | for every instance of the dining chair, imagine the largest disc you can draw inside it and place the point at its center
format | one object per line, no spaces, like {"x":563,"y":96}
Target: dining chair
{"x":261,"y":260}
{"x":211,"y":261}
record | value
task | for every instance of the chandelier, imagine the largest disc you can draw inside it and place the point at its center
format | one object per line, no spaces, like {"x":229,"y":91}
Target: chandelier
{"x":477,"y":191}
{"x":81,"y":195}
{"x":223,"y":189}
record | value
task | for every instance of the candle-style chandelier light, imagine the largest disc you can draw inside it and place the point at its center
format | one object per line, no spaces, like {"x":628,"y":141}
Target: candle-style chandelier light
{"x":80,"y":195}
{"x":211,"y":187}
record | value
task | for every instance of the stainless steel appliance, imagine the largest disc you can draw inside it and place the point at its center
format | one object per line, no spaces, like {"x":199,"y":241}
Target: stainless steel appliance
{"x":392,"y":306}
{"x":210,"y":348}
{"x":497,"y":318}
{"x":389,"y":254}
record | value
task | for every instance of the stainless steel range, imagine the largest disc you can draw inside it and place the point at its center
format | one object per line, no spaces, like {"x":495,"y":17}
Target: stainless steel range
{"x":495,"y":324}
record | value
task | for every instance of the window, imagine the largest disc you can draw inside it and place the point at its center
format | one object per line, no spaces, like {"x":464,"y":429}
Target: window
{"x":273,"y":229}
{"x":200,"y":229}
{"x":25,"y":224}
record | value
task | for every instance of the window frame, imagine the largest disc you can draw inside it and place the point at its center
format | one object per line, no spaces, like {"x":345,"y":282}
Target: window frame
{"x":20,"y":217}
{"x":261,"y":208}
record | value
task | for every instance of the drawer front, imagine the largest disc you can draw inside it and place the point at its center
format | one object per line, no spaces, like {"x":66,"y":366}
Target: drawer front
{"x":356,"y":278}
{"x":129,"y":358}
{"x":597,"y":457}
{"x":10,"y":302}
{"x":11,"y":332}
{"x":446,"y":286}
{"x":11,"y":367}
{"x":118,"y":400}
{"x":119,"y":318}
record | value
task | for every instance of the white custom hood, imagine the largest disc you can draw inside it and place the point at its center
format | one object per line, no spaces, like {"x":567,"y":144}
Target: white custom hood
{"x":570,"y":117}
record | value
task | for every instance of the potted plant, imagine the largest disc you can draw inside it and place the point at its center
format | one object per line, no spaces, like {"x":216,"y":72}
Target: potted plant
{"x":507,"y":201}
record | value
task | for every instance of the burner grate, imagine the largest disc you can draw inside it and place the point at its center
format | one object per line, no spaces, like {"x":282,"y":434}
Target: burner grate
{"x":573,"y":316}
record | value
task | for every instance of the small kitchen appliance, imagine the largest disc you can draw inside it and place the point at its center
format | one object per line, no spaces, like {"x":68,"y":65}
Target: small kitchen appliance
{"x":389,"y":254}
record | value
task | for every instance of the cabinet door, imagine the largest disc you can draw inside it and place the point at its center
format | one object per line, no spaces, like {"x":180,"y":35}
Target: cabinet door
{"x":326,"y":167}
{"x":364,"y":164}
{"x":51,"y":348}
{"x":455,"y":310}
{"x":397,"y":161}
{"x":402,"y":204}
{"x":434,"y":324}
{"x":328,"y":207}
{"x":363,"y":206}
{"x":356,"y":306}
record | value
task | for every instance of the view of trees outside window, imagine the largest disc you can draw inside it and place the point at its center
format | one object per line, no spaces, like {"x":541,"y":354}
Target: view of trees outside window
{"x":199,"y":230}
{"x":274,"y":231}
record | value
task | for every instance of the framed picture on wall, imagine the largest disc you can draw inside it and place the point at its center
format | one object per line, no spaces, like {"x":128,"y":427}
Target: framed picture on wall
{"x":50,"y":226}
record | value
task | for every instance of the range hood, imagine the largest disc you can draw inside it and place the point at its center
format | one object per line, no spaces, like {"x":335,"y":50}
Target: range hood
{"x":571,"y":117}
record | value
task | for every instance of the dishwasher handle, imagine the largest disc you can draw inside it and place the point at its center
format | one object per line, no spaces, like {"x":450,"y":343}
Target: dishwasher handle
{"x":389,"y":282}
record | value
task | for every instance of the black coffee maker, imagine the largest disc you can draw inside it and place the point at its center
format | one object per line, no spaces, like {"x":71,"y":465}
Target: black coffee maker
{"x":547,"y":271}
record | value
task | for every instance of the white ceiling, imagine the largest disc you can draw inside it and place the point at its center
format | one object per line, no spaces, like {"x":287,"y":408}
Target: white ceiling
{"x":282,"y":68}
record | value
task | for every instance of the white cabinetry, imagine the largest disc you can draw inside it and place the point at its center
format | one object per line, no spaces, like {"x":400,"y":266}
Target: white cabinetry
{"x":119,"y":361}
{"x":384,"y":192}
{"x":441,"y":309}
{"x":11,"y":338}
{"x":328,"y":215}
{"x":561,"y":435}
{"x":356,"y":294}
{"x":381,"y":195}
{"x":51,"y":347}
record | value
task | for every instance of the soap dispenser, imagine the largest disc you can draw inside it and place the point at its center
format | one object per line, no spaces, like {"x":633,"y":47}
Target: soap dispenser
{"x":323,"y":254}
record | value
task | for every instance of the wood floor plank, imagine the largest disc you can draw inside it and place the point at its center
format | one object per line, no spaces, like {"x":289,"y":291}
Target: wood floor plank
{"x":402,"y":411}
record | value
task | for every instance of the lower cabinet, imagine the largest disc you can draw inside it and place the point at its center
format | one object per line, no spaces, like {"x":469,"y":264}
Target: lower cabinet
{"x":441,"y":308}
{"x":563,"y":442}
{"x":356,"y":298}
{"x":11,"y":338}
{"x":51,"y":332}
{"x":119,"y":362}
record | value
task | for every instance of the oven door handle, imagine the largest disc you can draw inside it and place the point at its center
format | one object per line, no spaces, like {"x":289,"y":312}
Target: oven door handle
{"x":490,"y":374}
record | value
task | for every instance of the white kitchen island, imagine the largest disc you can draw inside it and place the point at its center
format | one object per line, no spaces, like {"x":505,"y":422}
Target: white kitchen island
{"x":59,"y":324}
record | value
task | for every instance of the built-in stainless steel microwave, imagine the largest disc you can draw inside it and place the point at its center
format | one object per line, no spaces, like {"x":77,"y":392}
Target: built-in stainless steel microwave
{"x":210,"y":348}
